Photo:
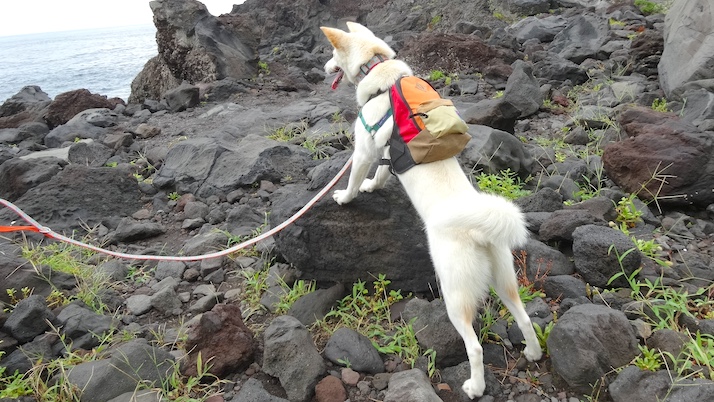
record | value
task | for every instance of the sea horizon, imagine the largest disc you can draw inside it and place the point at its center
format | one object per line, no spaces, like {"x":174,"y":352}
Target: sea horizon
{"x":102,"y":60}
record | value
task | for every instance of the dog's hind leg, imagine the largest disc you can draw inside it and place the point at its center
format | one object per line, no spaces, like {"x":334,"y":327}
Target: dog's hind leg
{"x":461,"y":317}
{"x":506,"y":286}
{"x":463,"y":277}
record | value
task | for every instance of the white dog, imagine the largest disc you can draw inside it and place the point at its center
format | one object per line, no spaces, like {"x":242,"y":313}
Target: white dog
{"x":470,"y":233}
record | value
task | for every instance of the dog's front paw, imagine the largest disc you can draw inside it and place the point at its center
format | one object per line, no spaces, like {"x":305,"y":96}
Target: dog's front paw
{"x":368,"y":186}
{"x":341,"y":197}
{"x":533,"y":352}
{"x":473,"y":389}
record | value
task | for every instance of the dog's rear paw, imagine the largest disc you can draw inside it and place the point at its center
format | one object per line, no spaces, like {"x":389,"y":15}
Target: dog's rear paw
{"x":341,"y":197}
{"x":533,"y":352}
{"x":473,"y":389}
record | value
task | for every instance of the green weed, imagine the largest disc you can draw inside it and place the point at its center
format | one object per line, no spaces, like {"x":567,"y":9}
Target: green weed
{"x":542,"y":334}
{"x":506,"y":184}
{"x":627,"y":212}
{"x":316,"y":148}
{"x":255,"y":283}
{"x":435,"y":20}
{"x":300,"y":288}
{"x":649,"y":359}
{"x":648,"y":7}
{"x":289,"y":131}
{"x":698,"y":353}
{"x":616,"y":23}
{"x":660,"y":105}
{"x":263,"y":68}
{"x":368,"y":312}
{"x":436,"y":75}
{"x":196,"y":388}
{"x":70,"y":259}
{"x":13,"y":386}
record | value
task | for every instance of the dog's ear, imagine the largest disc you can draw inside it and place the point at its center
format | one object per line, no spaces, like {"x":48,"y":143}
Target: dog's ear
{"x":337,"y":37}
{"x":355,"y":27}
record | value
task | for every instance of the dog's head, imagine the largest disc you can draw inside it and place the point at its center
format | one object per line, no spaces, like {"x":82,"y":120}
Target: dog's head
{"x":351,"y":50}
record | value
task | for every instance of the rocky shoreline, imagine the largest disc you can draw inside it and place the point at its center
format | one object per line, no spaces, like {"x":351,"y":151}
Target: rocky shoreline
{"x":605,"y":136}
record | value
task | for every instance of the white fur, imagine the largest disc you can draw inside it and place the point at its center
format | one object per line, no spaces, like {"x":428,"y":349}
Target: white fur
{"x":470,"y":234}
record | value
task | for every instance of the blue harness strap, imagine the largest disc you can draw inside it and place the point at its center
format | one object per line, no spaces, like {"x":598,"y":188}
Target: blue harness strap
{"x":373,"y":129}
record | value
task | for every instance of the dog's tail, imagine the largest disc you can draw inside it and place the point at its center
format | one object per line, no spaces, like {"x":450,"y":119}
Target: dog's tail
{"x":489,"y":219}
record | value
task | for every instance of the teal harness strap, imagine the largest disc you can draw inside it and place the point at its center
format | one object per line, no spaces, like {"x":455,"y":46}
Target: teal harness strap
{"x":373,"y":129}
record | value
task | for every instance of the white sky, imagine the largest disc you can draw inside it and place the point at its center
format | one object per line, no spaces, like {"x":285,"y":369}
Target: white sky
{"x":19,"y":17}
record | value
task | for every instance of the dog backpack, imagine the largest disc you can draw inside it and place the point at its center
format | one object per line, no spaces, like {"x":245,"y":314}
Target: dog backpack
{"x":427,"y":128}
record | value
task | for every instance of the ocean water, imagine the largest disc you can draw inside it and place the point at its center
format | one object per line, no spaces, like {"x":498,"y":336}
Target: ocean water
{"x":104,"y":61}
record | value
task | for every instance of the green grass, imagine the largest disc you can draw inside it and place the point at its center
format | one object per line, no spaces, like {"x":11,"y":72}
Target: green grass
{"x":660,"y":105}
{"x":665,"y":306}
{"x":203,"y":385}
{"x":627,"y":212}
{"x":299,"y":288}
{"x":506,"y":184}
{"x":649,"y":7}
{"x":47,"y":381}
{"x":368,"y":312}
{"x":263,"y":68}
{"x":69,"y":259}
{"x":437,"y":75}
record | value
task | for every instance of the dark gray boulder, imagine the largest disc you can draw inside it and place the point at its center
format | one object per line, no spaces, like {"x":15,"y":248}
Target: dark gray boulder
{"x":688,"y":35}
{"x":376,"y":233}
{"x":90,"y":123}
{"x":129,"y":229}
{"x":89,"y":153}
{"x":561,"y":224}
{"x":30,"y":97}
{"x":542,"y":261}
{"x":19,"y":175}
{"x":556,"y":69}
{"x":582,"y":38}
{"x":492,"y":151}
{"x":434,"y":330}
{"x":314,"y":305}
{"x":544,"y":200}
{"x":83,"y":326}
{"x":290,"y":355}
{"x":349,"y":345}
{"x":601,"y":252}
{"x":182,"y":97}
{"x":522,"y":89}
{"x":699,"y":109}
{"x":410,"y":386}
{"x":588,"y":342}
{"x":253,"y":391}
{"x":635,"y":385}
{"x":493,"y":113}
{"x":563,"y":287}
{"x":130,"y":364}
{"x":43,"y":348}
{"x":193,"y":46}
{"x":29,"y":318}
{"x":456,"y":375}
{"x":205,"y":167}
{"x":256,"y":158}
{"x":542,"y":29}
{"x":81,"y":195}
